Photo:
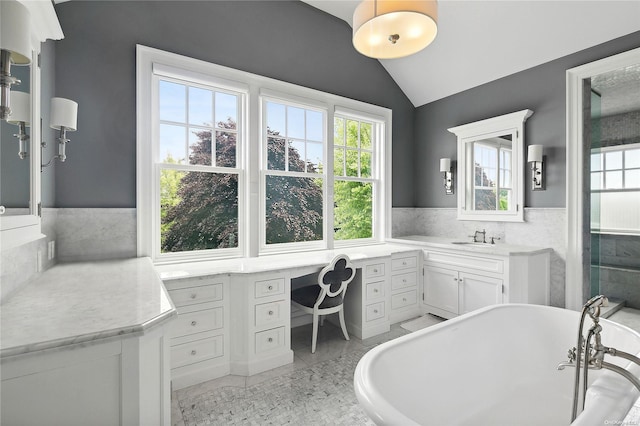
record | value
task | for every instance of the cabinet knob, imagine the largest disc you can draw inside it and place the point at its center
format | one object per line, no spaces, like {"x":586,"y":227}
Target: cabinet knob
{"x":270,"y":312}
{"x":375,"y":290}
{"x":270,"y":339}
{"x":193,"y":352}
{"x":404,"y":299}
{"x":375,"y":311}
{"x":404,"y":263}
{"x":455,"y":279}
{"x":193,"y":295}
{"x":404,"y":280}
{"x":193,"y":323}
{"x":270,"y":287}
{"x":375,"y":270}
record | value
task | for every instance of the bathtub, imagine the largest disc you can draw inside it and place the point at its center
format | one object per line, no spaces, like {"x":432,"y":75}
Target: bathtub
{"x":493,"y":366}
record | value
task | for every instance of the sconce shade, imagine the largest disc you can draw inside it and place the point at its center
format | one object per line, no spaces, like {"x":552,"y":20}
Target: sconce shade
{"x":20,"y":108}
{"x":445,"y":164}
{"x":15,"y":31}
{"x":534,"y":153}
{"x":387,"y":29}
{"x":64,"y":113}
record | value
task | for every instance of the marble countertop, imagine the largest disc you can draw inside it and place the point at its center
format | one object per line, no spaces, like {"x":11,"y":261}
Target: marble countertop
{"x":478,"y":248}
{"x":277,"y":262}
{"x":83,"y":302}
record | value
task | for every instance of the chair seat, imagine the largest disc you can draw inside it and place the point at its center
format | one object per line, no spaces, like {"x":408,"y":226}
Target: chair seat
{"x":308,"y":296}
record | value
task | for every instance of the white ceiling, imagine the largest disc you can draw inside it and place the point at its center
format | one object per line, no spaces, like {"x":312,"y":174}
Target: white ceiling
{"x":480,"y":41}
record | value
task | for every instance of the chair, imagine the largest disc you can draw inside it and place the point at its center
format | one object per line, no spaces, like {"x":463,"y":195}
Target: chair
{"x":328,"y":296}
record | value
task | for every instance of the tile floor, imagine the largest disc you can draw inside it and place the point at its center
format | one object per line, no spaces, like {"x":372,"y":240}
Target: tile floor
{"x":317,"y":389}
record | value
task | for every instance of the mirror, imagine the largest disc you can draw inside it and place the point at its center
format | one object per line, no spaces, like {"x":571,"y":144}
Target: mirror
{"x":491,"y":168}
{"x":15,"y":176}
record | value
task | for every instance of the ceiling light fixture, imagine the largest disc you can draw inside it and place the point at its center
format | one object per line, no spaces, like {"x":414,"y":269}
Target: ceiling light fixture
{"x":387,"y":29}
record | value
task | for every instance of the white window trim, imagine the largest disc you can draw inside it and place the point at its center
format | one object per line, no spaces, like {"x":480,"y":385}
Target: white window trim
{"x":250,"y":183}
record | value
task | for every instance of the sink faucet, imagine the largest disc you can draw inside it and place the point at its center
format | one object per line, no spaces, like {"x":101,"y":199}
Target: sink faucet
{"x":475,"y":236}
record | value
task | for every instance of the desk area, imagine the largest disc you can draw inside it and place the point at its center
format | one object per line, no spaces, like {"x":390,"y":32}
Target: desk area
{"x":234,"y":316}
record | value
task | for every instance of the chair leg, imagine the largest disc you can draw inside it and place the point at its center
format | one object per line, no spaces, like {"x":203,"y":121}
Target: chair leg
{"x":342,"y":324}
{"x":315,"y":333}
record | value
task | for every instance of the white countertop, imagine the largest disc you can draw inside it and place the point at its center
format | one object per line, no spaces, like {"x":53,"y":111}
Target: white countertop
{"x":82,"y":302}
{"x":466,"y":246}
{"x":278,"y":262}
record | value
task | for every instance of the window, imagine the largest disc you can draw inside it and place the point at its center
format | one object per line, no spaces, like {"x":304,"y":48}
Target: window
{"x":231,"y":164}
{"x":615,"y":189}
{"x":492,"y":175}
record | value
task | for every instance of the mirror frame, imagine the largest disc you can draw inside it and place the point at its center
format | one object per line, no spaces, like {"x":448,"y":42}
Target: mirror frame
{"x":21,"y":229}
{"x":468,"y":133}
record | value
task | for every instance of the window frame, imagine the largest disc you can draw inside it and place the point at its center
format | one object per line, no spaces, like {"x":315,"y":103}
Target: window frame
{"x":251,"y":177}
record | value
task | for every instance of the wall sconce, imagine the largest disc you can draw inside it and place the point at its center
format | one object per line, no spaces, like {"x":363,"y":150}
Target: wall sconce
{"x":445,"y":167}
{"x":21,"y":117}
{"x":534,"y":156}
{"x":64,"y":117}
{"x":15,"y":47}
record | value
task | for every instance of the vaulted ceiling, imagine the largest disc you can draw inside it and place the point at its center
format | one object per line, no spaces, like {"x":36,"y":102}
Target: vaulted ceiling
{"x":480,"y":41}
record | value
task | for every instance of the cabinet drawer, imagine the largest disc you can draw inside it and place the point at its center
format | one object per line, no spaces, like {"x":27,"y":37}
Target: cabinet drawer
{"x":374,"y":311}
{"x":179,"y":283}
{"x":270,"y":313}
{"x":375,"y":290}
{"x":404,"y":280}
{"x":193,"y":295}
{"x":401,"y":300}
{"x":464,"y":261}
{"x":372,"y":271}
{"x":404,"y":263}
{"x":196,"y":351}
{"x":196,"y":322}
{"x":269,"y":340}
{"x":270,"y":287}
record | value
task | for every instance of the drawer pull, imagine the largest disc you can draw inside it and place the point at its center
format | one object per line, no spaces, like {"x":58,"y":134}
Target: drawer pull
{"x":375,"y":270}
{"x":193,"y":295}
{"x":404,"y":299}
{"x":375,"y":290}
{"x":375,"y":311}
{"x":193,"y":323}
{"x":404,"y":263}
{"x":270,"y":339}
{"x":270,"y":312}
{"x":270,"y":287}
{"x":193,"y":352}
{"x":404,"y":280}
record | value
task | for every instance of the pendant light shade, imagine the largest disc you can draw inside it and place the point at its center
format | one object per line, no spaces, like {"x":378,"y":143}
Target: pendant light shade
{"x":387,"y":29}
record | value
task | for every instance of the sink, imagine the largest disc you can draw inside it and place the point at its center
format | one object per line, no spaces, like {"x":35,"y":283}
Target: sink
{"x":471,"y":243}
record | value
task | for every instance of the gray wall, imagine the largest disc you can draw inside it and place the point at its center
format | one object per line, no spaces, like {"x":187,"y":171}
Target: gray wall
{"x":285,"y":40}
{"x":541,"y":89}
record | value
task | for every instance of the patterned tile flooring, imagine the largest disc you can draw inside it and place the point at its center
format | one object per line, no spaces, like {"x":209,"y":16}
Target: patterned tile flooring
{"x":317,"y":389}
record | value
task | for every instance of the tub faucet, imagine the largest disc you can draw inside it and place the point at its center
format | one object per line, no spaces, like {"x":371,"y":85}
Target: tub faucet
{"x":589,"y":353}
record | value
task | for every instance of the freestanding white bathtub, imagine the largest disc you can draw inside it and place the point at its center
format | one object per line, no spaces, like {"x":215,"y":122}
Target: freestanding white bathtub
{"x":493,"y":366}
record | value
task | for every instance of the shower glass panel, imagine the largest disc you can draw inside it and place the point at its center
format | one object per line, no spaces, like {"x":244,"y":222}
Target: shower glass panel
{"x":614,"y":182}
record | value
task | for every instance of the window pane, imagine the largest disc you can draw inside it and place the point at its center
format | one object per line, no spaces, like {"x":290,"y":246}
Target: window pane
{"x":173,"y":102}
{"x":315,"y":131}
{"x":338,"y":161}
{"x":226,"y":111}
{"x":172,"y":144}
{"x":276,"y":154}
{"x":352,"y":163}
{"x":632,"y":178}
{"x":296,"y":156}
{"x":613,"y":180}
{"x":293,"y":209}
{"x":613,"y":160}
{"x":226,"y":149}
{"x":314,"y":157}
{"x":365,"y":135}
{"x":295,"y":122}
{"x":596,"y":162}
{"x":596,"y":181}
{"x":200,"y":147}
{"x":485,"y":199}
{"x":365,"y":164}
{"x":353,"y":211}
{"x":338,"y":131}
{"x":198,"y":211}
{"x":352,"y":133}
{"x":275,"y":118}
{"x":632,"y":158}
{"x":505,"y":199}
{"x":200,"y":106}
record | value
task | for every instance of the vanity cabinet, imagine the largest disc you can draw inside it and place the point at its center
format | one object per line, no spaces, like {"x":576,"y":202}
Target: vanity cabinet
{"x":458,"y":282}
{"x":404,"y":287}
{"x":367,"y":300}
{"x":199,"y":335}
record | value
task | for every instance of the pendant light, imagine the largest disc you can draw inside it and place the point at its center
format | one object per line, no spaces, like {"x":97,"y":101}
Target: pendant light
{"x":387,"y":29}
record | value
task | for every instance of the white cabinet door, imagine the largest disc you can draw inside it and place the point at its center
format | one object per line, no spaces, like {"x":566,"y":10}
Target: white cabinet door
{"x":477,"y":292}
{"x":441,"y":288}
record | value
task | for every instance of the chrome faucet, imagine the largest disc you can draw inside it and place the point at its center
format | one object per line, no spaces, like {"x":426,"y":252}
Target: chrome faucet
{"x":589,"y":353}
{"x":475,"y":236}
